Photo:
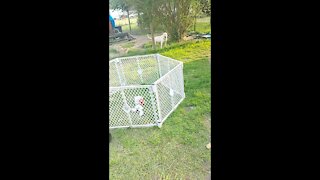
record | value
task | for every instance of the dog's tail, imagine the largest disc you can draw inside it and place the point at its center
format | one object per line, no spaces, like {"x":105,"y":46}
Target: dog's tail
{"x":148,"y":36}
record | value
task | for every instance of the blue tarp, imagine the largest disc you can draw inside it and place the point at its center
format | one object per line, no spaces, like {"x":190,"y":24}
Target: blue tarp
{"x":113,"y":24}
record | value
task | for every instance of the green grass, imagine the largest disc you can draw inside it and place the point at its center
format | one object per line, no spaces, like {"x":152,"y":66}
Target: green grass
{"x":128,"y":45}
{"x":202,"y":25}
{"x":177,"y":150}
{"x":189,"y":51}
{"x":204,"y":19}
{"x":113,"y":51}
{"x":136,"y":51}
{"x":184,"y":51}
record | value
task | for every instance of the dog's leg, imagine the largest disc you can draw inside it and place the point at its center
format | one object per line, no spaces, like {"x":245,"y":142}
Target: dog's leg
{"x":166,"y":39}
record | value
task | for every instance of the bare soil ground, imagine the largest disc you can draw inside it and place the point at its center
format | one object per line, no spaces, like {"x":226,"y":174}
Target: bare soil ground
{"x":120,"y":47}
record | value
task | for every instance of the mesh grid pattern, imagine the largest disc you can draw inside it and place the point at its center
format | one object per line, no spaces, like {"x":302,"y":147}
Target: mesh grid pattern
{"x":144,"y":90}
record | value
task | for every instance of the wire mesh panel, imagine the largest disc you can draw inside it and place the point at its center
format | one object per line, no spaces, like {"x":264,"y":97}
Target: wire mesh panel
{"x":144,"y":90}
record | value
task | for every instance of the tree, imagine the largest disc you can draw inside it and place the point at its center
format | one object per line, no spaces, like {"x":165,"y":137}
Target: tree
{"x":201,"y":7}
{"x":175,"y":15}
{"x":148,"y":11}
{"x":124,"y":5}
{"x":196,"y":8}
{"x":178,"y":17}
{"x":206,"y":8}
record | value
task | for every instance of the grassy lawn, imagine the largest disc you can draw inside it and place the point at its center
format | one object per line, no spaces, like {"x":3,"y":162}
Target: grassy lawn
{"x":202,"y":25}
{"x":189,"y":51}
{"x":184,"y":51}
{"x":128,"y":45}
{"x":177,"y":150}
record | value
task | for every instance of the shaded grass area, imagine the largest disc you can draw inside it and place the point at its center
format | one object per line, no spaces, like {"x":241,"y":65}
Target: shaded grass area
{"x":177,"y":150}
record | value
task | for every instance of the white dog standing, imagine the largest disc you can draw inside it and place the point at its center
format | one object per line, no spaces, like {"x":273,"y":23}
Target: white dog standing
{"x":160,"y":39}
{"x":139,"y":102}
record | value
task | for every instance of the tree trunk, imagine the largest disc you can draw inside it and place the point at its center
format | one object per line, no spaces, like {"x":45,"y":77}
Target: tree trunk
{"x":129,"y":20}
{"x":195,"y":22}
{"x":175,"y":24}
{"x":152,"y":36}
{"x":139,"y":21}
{"x":210,"y":13}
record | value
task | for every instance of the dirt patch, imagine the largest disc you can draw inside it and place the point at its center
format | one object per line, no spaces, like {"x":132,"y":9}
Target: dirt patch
{"x":156,"y":177}
{"x":119,"y":50}
{"x":122,"y":47}
{"x":209,"y":177}
{"x":207,"y":168}
{"x":140,"y":41}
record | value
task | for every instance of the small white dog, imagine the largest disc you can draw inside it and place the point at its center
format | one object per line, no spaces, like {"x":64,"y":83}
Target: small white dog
{"x":139,"y":102}
{"x":160,"y":39}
